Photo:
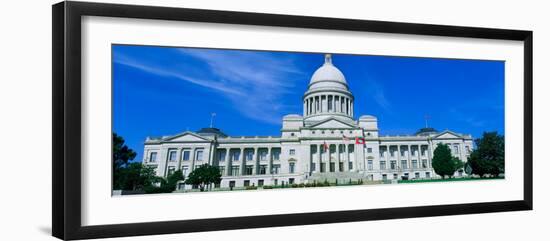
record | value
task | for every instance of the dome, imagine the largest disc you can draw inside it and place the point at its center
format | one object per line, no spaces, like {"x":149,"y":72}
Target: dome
{"x":211,"y":132}
{"x":426,"y":131}
{"x":328,"y":76}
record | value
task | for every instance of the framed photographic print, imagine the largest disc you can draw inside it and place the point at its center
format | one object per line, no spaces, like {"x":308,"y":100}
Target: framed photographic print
{"x":212,"y":120}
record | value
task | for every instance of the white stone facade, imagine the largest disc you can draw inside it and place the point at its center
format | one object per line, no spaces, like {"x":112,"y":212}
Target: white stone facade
{"x":326,"y":143}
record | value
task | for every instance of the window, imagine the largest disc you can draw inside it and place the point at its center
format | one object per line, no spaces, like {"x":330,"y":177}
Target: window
{"x":263,"y":169}
{"x":402,"y":152}
{"x":291,"y":181}
{"x":246,"y":183}
{"x":185,"y":170}
{"x":263,"y":155}
{"x":313,"y":167}
{"x":260,"y":183}
{"x":221,"y":156}
{"x":393,"y":165}
{"x":172,"y":155}
{"x":417,"y":175}
{"x":275,"y":181}
{"x":222,"y":171}
{"x":395,"y":176}
{"x":231,"y":184}
{"x":369,"y":164}
{"x":382,"y":165}
{"x":292,"y":134}
{"x":467,"y":149}
{"x":392,"y":153}
{"x":312,"y":132}
{"x":291,"y":167}
{"x":275,"y":169}
{"x":323,"y":167}
{"x":234,"y":170}
{"x":236,"y":155}
{"x":331,"y":167}
{"x":292,"y":152}
{"x":171,"y":170}
{"x":185,"y":156}
{"x":384,"y":177}
{"x":414,"y":164}
{"x":341,"y":166}
{"x":456,"y":149}
{"x":199,"y":155}
{"x":249,"y":155}
{"x":350,"y":165}
{"x":276,"y":155}
{"x":382,"y":153}
{"x":428,"y":174}
{"x":424,"y":163}
{"x":369,"y":150}
{"x":248,"y":169}
{"x":153,"y":157}
{"x":403,"y":164}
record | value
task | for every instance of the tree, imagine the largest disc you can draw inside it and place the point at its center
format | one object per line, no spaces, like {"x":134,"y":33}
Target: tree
{"x":165,"y":185}
{"x":135,"y":176}
{"x":443,"y":162}
{"x":121,"y":152}
{"x":488,"y":157}
{"x":121,"y":155}
{"x":204,"y":176}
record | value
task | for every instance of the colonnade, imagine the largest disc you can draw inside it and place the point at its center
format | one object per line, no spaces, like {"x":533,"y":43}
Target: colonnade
{"x":315,"y":104}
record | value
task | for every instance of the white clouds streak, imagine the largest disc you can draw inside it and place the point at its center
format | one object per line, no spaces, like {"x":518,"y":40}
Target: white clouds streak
{"x":255,"y":83}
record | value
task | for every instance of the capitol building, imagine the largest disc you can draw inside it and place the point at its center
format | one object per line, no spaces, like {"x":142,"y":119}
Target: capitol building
{"x":326,"y":142}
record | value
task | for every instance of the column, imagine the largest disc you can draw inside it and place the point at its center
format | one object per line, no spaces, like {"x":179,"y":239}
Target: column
{"x":269,"y":161}
{"x":178,"y":156}
{"x":319,"y":157}
{"x":347,"y":106}
{"x":409,"y":164}
{"x":398,"y":158}
{"x":255,"y":157}
{"x":192,"y":166}
{"x":351,"y":107}
{"x":227,"y":162}
{"x":346,"y":157}
{"x":356,"y":157}
{"x":337,"y":165}
{"x":333,"y":103}
{"x":305,"y":107}
{"x":243,"y":161}
{"x":419,"y":161}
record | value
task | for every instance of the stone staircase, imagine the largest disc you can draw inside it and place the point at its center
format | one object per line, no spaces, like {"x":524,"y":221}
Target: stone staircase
{"x":331,"y":177}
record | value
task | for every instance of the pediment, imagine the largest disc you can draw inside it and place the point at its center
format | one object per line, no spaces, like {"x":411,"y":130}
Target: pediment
{"x":332,"y":123}
{"x":186,"y":137}
{"x":447,"y":135}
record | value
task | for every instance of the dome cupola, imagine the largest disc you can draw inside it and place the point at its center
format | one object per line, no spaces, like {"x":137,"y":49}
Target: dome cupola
{"x":328,"y":94}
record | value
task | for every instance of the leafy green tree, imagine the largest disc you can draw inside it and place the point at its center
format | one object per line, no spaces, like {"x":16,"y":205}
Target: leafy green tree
{"x":443,"y":162}
{"x":488,"y":157}
{"x":135,"y":176}
{"x":203,"y":176}
{"x":121,"y":152}
{"x":173,"y":179}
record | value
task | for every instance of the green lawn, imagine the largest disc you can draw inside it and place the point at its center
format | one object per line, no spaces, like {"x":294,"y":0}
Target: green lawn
{"x":449,"y":180}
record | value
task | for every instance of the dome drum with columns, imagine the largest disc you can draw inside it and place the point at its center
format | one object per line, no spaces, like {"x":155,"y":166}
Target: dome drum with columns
{"x":325,"y":143}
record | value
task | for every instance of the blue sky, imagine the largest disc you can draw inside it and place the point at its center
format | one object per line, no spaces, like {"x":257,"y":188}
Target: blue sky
{"x":164,"y":91}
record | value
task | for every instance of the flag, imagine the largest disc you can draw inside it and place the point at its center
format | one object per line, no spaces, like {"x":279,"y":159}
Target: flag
{"x":360,"y":140}
{"x":325,"y":146}
{"x":345,"y":138}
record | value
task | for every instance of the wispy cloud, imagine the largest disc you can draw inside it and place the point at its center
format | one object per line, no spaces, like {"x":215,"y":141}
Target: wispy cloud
{"x":254,"y":83}
{"x":469,"y":119}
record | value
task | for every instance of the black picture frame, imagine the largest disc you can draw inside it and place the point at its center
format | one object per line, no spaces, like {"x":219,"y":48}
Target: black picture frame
{"x":66,"y":185}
